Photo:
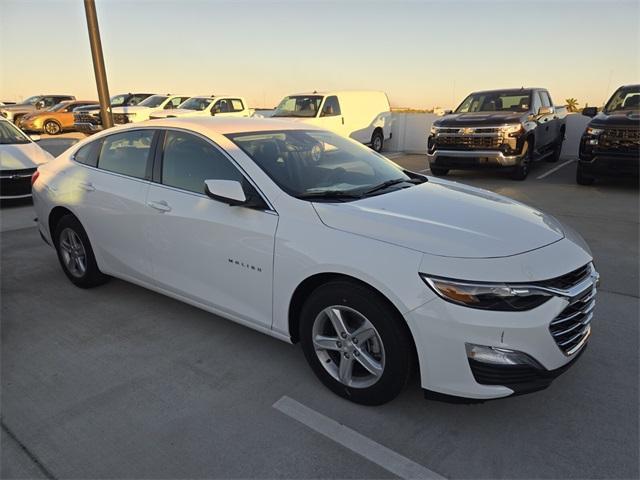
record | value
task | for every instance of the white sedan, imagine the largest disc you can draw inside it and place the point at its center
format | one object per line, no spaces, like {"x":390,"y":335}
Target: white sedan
{"x":313,"y":238}
{"x":19,"y":159}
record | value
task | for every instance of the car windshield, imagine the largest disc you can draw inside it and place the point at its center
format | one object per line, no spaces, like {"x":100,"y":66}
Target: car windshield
{"x":118,"y":100}
{"x":153,"y":101}
{"x":10,"y":135}
{"x":33,"y":100}
{"x":507,"y":101}
{"x":197,"y":103}
{"x":299,"y":106}
{"x":320,"y":165}
{"x":625,"y":98}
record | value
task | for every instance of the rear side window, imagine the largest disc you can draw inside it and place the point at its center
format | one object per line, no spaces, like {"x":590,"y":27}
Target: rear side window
{"x":331,"y":107}
{"x":126,"y":153}
{"x":546,"y":101}
{"x":88,"y":154}
{"x":237,"y":105}
{"x":188,"y":161}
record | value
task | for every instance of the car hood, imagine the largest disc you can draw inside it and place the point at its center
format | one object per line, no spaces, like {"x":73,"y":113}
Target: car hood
{"x":479,"y":119}
{"x":129,"y":109}
{"x":626,"y":118}
{"x":23,"y":156}
{"x":446,"y":219}
{"x":177,"y":112}
{"x":23,"y":107}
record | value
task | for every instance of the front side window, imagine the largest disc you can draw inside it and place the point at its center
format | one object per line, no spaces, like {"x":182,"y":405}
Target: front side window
{"x":197,"y":103}
{"x":546,"y":101}
{"x":126,"y":153}
{"x":308,"y":163}
{"x":136,"y":99}
{"x":174,"y":103}
{"x":118,"y":100}
{"x":187,"y":161}
{"x":299,"y":106}
{"x":153,"y":101}
{"x":10,"y":135}
{"x":625,"y":98}
{"x":221,"y":106}
{"x":507,"y":101}
{"x":331,"y":107}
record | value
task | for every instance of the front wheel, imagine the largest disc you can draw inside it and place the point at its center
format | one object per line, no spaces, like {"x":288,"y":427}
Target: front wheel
{"x":51,"y":127}
{"x":521,"y":170}
{"x":356,"y":343}
{"x":377,"y":141}
{"x":76,"y":255}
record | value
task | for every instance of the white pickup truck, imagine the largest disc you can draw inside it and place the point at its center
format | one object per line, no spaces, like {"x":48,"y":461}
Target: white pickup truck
{"x":141,"y":111}
{"x":204,"y":106}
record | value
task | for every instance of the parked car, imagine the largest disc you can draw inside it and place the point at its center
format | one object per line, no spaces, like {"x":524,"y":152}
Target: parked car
{"x":141,"y":111}
{"x":498,"y":129}
{"x":610,"y":144}
{"x":19,"y":158}
{"x":54,"y":120}
{"x":364,"y":116}
{"x":37,"y":102}
{"x":219,"y":105}
{"x":311,"y":237}
{"x":87,"y":119}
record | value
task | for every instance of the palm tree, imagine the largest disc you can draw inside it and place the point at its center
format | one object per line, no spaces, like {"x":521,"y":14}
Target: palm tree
{"x":572,"y":104}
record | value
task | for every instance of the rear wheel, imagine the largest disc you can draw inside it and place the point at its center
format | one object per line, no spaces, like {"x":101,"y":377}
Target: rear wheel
{"x":377,"y":141}
{"x":355,"y":343}
{"x":521,"y":170}
{"x":76,"y":255}
{"x":439,"y":171}
{"x":582,"y":178}
{"x":51,"y":127}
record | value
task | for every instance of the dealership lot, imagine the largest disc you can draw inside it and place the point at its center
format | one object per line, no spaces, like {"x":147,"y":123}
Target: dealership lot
{"x":122,"y":382}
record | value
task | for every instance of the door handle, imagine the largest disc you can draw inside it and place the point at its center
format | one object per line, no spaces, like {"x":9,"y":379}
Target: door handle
{"x":343,"y":120}
{"x":88,"y":186}
{"x":161,"y":206}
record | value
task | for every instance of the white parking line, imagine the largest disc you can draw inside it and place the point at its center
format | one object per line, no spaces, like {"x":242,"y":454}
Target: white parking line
{"x":426,"y":170}
{"x":393,"y":155}
{"x":372,"y":451}
{"x":546,"y":174}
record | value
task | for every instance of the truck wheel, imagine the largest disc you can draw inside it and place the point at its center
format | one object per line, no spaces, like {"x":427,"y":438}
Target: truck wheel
{"x":377,"y":141}
{"x":582,"y":178}
{"x":51,"y":127}
{"x":521,"y":170}
{"x":439,"y":171}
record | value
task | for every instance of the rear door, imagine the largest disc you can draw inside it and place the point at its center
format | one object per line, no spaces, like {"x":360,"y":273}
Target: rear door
{"x":111,"y":194}
{"x":202,"y":249}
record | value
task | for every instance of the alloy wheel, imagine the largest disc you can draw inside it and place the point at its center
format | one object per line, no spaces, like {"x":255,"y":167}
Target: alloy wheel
{"x":73,"y":253}
{"x":348,"y":346}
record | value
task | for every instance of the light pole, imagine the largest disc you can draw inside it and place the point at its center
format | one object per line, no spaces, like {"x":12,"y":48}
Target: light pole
{"x":98,"y":63}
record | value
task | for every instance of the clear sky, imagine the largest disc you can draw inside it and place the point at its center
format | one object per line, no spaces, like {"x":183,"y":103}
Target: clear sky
{"x":422,"y":53}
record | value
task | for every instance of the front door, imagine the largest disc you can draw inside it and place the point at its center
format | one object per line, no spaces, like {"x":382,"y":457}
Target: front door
{"x":215,"y":254}
{"x":331,"y":117}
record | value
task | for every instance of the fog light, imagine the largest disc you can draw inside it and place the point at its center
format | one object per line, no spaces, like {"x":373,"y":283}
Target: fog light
{"x":592,"y":141}
{"x":499,"y":356}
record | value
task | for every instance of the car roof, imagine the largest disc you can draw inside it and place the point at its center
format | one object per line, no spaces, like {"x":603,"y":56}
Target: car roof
{"x":223,"y":126}
{"x":335,"y":92}
{"x":511,"y":90}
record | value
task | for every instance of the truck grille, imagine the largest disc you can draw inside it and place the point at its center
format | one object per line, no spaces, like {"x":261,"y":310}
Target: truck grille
{"x":468,"y":142}
{"x":87,"y":118}
{"x":571,"y":328}
{"x":621,"y":139}
{"x":120,"y":118}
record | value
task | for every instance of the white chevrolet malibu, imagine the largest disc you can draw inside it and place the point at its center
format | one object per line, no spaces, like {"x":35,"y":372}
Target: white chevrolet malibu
{"x":313,"y":238}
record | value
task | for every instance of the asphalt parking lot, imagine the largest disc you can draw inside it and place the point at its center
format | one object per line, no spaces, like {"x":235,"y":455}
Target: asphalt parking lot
{"x":121,"y":382}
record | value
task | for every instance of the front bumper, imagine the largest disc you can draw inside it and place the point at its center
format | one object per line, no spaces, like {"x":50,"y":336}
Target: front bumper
{"x":471,"y":159}
{"x":442,"y":331}
{"x":15,"y":184}
{"x":614,"y":165}
{"x":87,"y":127}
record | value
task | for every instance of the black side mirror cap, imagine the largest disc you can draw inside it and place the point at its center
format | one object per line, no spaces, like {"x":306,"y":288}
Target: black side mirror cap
{"x":590,"y":111}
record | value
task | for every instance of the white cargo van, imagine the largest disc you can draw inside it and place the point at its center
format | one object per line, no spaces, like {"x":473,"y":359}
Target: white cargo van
{"x":364,"y":116}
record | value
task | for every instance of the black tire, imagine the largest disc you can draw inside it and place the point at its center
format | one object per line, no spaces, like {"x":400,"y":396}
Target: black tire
{"x":439,"y":171}
{"x":521,"y":170}
{"x":16,"y":119}
{"x":51,"y":127}
{"x":582,"y":178}
{"x":92,"y":276}
{"x":557,"y":149}
{"x":397,"y":346}
{"x":377,"y":141}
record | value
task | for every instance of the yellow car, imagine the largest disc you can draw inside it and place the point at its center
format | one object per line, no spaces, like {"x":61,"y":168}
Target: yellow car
{"x":54,"y":120}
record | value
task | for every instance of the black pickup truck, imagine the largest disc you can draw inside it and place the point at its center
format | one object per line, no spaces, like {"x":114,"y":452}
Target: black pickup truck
{"x":610,"y":145}
{"x":87,"y":119}
{"x":508,"y":128}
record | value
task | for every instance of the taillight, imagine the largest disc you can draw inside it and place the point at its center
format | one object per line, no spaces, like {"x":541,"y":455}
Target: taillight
{"x":34,"y":177}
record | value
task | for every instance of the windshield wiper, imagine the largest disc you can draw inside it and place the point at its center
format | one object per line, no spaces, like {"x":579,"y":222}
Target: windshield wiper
{"x":390,"y":183}
{"x":329,"y":194}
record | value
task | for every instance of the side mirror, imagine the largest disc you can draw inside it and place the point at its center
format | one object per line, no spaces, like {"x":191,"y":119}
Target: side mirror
{"x":226,"y":191}
{"x":448,"y":112}
{"x":545,"y":111}
{"x":35,"y":138}
{"x":590,"y":111}
{"x":40,"y":105}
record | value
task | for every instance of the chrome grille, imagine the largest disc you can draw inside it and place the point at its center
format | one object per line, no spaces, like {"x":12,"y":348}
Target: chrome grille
{"x":468,"y":142}
{"x":622,"y":139}
{"x":87,"y":118}
{"x":572,"y":327}
{"x":120,"y":118}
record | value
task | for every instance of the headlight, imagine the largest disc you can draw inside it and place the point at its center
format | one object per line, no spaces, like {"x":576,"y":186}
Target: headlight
{"x":512,"y":130}
{"x":594,"y":132}
{"x":434,"y":129}
{"x":487,"y":296}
